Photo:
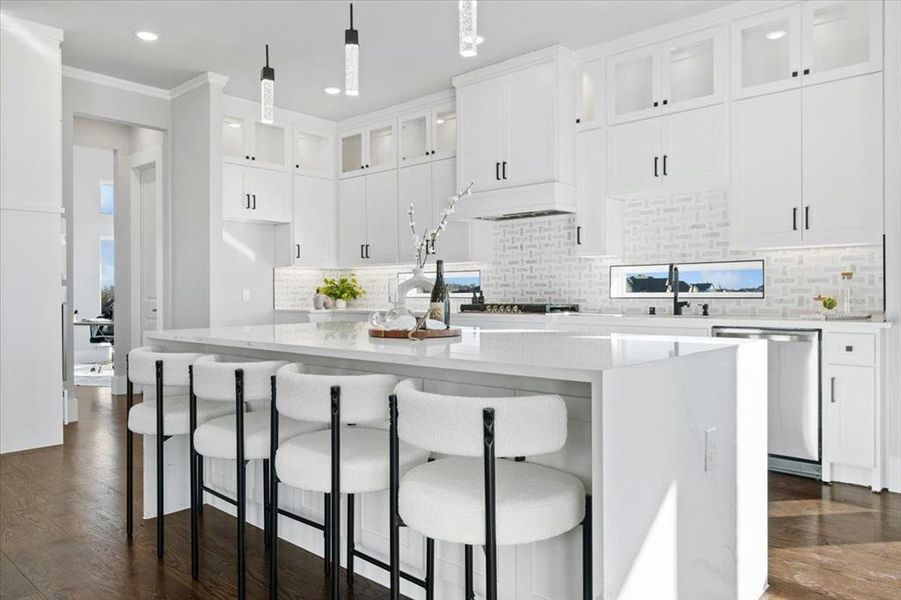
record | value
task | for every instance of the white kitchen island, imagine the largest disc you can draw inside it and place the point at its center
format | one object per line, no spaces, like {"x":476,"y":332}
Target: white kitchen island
{"x":668,"y":434}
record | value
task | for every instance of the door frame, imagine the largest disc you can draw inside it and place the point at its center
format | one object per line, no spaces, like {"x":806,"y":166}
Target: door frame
{"x":139,"y":161}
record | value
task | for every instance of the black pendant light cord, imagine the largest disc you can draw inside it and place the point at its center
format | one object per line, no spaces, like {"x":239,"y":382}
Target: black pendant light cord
{"x":350,"y":35}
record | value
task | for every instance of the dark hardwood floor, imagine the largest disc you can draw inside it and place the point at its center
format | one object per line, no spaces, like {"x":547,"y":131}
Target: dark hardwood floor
{"x":62,"y":532}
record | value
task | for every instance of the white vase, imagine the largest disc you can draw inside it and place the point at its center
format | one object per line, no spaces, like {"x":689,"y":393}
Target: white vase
{"x":417,"y":281}
{"x":340,"y":304}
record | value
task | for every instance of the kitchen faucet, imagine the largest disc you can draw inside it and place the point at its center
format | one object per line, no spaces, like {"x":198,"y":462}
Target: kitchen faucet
{"x":674,"y":286}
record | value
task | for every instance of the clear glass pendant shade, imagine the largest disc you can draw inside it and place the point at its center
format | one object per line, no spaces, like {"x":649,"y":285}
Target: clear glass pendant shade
{"x":267,"y":100}
{"x":352,"y":69}
{"x":468,"y":30}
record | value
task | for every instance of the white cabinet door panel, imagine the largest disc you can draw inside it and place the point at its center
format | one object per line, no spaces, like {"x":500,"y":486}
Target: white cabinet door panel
{"x":842,"y":38}
{"x":235,"y":202}
{"x":633,"y":85}
{"x":414,"y":186}
{"x":766,"y":53}
{"x":766,"y":164}
{"x":351,"y":221}
{"x":381,"y":218}
{"x":693,"y":146}
{"x":315,"y":226}
{"x":598,"y":218}
{"x":530,"y":147}
{"x":843,"y":161}
{"x":850,"y":399}
{"x":453,"y":244}
{"x":270,"y":195}
{"x":633,"y":156}
{"x":480,"y":152}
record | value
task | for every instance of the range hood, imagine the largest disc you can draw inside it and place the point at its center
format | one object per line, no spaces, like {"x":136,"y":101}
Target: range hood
{"x":521,"y":202}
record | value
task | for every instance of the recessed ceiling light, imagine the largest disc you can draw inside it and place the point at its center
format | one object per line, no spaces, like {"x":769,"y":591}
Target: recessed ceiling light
{"x":775,"y":35}
{"x":146,"y":36}
{"x":439,"y":121}
{"x":332,"y":91}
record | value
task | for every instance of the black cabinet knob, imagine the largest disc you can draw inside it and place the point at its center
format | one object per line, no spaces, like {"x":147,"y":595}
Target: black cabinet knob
{"x":665,"y":102}
{"x":656,"y":103}
{"x":253,"y":158}
{"x":247,"y":156}
{"x":807,"y":71}
{"x":578,"y":121}
{"x":794,"y":73}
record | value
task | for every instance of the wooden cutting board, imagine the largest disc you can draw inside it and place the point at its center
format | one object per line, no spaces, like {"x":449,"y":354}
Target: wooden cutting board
{"x":422,"y":334}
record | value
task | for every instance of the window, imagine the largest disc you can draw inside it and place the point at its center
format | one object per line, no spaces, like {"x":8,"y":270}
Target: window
{"x":107,"y":275}
{"x":107,"y":197}
{"x":728,"y":279}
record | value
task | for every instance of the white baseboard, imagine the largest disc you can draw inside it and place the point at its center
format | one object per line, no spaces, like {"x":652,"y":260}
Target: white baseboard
{"x":893,"y":475}
{"x":117,"y":384}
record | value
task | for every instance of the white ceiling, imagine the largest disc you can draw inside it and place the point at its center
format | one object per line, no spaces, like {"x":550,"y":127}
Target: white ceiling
{"x":407,"y":49}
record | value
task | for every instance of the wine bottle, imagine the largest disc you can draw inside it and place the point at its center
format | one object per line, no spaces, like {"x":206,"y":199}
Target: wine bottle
{"x":439,"y":303}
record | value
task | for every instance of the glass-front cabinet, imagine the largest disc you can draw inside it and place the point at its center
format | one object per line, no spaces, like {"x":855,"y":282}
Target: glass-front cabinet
{"x":313,"y":154}
{"x":805,"y":44}
{"x":367,"y":149}
{"x":427,"y":134}
{"x":589,"y":97}
{"x":678,"y":74}
{"x":250,"y":142}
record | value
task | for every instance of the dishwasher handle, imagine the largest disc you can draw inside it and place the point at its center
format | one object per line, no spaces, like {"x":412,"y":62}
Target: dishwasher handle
{"x":776,"y":336}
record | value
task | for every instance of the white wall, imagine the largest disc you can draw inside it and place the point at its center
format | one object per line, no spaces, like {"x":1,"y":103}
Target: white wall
{"x":31,"y":402}
{"x":92,"y":166}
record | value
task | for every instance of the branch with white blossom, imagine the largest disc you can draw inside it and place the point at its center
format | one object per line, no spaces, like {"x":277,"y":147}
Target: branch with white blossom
{"x":425,"y":244}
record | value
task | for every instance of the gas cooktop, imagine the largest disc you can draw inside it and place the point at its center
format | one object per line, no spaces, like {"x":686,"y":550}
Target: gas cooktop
{"x":518,"y":307}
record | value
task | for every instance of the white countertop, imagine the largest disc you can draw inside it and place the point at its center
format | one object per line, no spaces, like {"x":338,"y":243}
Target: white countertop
{"x":541,"y":353}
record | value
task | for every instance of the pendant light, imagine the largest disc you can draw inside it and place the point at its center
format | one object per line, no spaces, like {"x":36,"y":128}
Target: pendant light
{"x":468,"y":35}
{"x":351,"y":58}
{"x":267,"y":91}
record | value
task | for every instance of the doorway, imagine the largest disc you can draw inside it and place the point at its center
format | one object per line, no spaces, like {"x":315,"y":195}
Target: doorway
{"x":147,"y":243}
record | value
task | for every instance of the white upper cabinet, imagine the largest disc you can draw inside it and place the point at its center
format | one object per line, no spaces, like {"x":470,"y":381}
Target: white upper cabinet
{"x":250,"y":142}
{"x":589,"y":97}
{"x":314,"y":153}
{"x":816,"y":185}
{"x":367,"y":218}
{"x":427,"y":134}
{"x":368,"y":149}
{"x":255,"y":194}
{"x":314,"y":222}
{"x":598,"y":218}
{"x":516,"y":122}
{"x":351,"y":221}
{"x":678,"y":74}
{"x":805,"y":44}
{"x":678,"y":152}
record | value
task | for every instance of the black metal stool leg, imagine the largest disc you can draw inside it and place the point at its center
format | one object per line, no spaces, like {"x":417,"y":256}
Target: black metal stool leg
{"x":336,"y":493}
{"x":199,"y":485}
{"x":192,"y":426}
{"x":490,"y":506}
{"x":394,"y":484}
{"x":467,"y":561}
{"x":430,"y":569}
{"x":327,"y":535}
{"x":350,"y":540}
{"x":587,"y":553}
{"x":267,"y":535}
{"x":160,"y":472}
{"x":273,"y":496}
{"x":242,"y":474}
{"x":129,"y":460}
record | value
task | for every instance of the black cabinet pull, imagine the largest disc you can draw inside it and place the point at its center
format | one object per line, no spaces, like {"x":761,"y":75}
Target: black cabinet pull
{"x":254,"y":196}
{"x":362,"y":166}
{"x":367,"y":250}
{"x":296,"y":166}
{"x":361,"y":251}
{"x":665,"y":102}
{"x":253,"y":158}
{"x":247,"y":157}
{"x":578,"y":121}
{"x":794,"y":218}
{"x":849,"y":348}
{"x":807,"y":71}
{"x":504,"y":170}
{"x":664,"y":165}
{"x":298,"y":250}
{"x":806,"y":217}
{"x":497,"y":171}
{"x":247,"y":203}
{"x":655,"y":167}
{"x":579,"y":235}
{"x":794,"y":73}
{"x":367,"y":165}
{"x":656,"y":104}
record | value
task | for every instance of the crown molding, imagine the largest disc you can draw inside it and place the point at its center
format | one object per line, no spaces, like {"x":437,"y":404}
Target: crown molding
{"x":115,"y":82}
{"x":207,"y":78}
{"x":14,"y":24}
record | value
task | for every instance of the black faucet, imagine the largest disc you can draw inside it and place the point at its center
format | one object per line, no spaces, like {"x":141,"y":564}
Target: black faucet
{"x":674,"y":286}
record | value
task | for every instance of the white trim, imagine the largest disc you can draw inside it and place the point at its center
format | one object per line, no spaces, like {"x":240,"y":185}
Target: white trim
{"x":551,"y":53}
{"x":396,"y":109}
{"x":115,"y":82}
{"x":35,"y":209}
{"x":11,"y":23}
{"x":192,"y":84}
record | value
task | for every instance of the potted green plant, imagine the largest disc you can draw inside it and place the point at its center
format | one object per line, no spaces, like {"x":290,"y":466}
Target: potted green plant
{"x":342,"y":290}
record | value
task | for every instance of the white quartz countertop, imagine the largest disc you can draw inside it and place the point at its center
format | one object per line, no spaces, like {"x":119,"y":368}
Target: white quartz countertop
{"x":540,"y":353}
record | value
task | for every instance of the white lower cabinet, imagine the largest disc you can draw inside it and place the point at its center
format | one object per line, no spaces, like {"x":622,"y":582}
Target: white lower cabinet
{"x":850,"y":400}
{"x":255,"y":194}
{"x":367,"y":220}
{"x":677,"y":152}
{"x":807,"y":166}
{"x":428,"y":187}
{"x":599,"y":219}
{"x":315,"y":222}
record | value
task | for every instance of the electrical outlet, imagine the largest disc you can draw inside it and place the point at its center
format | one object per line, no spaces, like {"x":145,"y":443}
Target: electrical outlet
{"x":709,"y":449}
{"x":245,"y":295}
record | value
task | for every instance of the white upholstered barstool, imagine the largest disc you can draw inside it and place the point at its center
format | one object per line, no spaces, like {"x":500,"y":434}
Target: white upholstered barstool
{"x":471,"y":497}
{"x":240,"y":436}
{"x":164,"y":377}
{"x":305,"y":461}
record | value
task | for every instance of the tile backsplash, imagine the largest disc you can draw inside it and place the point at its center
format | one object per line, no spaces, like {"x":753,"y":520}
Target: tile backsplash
{"x":535,"y":261}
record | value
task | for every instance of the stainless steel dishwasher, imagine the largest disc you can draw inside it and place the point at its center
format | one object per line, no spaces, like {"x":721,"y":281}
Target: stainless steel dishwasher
{"x":793,"y":391}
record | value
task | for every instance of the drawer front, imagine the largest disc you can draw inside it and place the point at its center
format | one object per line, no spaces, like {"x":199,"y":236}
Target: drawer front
{"x":851,"y":348}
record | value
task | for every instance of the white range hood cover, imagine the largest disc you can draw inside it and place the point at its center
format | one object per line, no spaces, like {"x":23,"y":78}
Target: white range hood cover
{"x":535,"y":200}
